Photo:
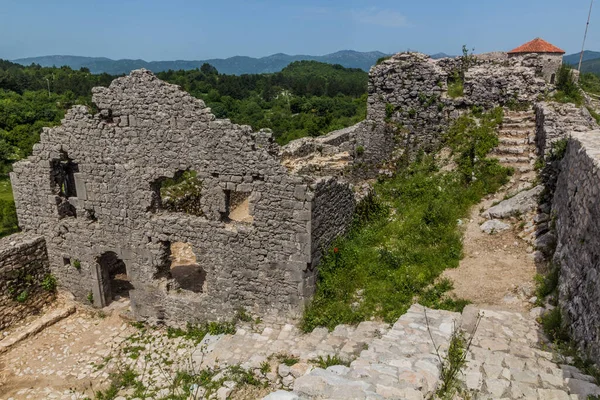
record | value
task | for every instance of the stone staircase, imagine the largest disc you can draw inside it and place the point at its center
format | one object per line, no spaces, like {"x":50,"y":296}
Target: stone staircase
{"x":517,"y":145}
{"x":250,"y":347}
{"x":506,"y":360}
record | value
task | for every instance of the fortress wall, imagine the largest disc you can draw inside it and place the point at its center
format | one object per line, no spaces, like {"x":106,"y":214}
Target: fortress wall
{"x":576,"y":209}
{"x":556,"y":121}
{"x":408,"y":93}
{"x":23,"y":267}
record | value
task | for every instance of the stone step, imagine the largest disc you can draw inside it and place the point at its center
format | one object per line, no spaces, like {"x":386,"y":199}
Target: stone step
{"x":519,"y":120}
{"x":513,"y":141}
{"x":520,"y":167}
{"x":518,"y":113}
{"x":504,"y":149}
{"x":518,"y":125}
{"x":512,"y":160}
{"x":516,"y":132}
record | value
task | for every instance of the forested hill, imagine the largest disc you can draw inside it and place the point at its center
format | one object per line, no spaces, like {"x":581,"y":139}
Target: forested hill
{"x":591,"y":61}
{"x":232,"y":66}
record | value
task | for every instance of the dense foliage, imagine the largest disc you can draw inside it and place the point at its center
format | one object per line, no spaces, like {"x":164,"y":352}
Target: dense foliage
{"x":408,"y":234}
{"x":567,"y":89}
{"x":305,"y":98}
{"x":590,"y":83}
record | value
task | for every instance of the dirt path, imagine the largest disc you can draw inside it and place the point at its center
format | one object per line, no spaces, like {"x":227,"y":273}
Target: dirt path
{"x":61,"y":360}
{"x":497,"y":270}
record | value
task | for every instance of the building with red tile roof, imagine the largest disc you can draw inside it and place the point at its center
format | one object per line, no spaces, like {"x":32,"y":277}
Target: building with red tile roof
{"x":537,"y":45}
{"x":551,"y":55}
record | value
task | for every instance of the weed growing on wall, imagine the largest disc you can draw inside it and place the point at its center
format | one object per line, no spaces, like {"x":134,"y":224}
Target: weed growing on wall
{"x":49,"y":283}
{"x":407,"y":235}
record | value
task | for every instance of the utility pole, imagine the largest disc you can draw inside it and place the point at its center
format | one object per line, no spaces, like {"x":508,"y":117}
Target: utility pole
{"x":585,"y":36}
{"x":48,"y":82}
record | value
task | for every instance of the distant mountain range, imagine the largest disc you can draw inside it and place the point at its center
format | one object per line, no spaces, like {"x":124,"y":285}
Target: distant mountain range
{"x":573,"y":59}
{"x":237,"y":65}
{"x":437,"y":56}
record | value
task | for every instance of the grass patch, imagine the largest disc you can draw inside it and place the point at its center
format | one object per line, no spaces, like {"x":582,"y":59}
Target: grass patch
{"x":288,"y":359}
{"x":456,"y":86}
{"x":8,"y":213}
{"x":547,"y":285}
{"x":329,"y":361}
{"x":407,"y":234}
{"x":197,"y":332}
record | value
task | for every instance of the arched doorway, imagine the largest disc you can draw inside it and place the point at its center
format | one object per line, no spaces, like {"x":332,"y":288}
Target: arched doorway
{"x":115,"y":282}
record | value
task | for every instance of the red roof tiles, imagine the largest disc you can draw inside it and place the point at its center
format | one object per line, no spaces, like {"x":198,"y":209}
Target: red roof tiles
{"x":537,"y":45}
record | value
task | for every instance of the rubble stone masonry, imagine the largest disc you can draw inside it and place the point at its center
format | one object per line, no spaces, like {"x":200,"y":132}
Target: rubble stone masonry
{"x":23,"y":267}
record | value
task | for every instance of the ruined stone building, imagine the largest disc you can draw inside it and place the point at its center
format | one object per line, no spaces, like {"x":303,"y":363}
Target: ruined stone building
{"x":551,"y":56}
{"x":101,"y":189}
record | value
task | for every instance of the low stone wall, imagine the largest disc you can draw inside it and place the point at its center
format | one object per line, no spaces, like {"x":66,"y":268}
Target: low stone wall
{"x":23,"y":267}
{"x":556,"y":121}
{"x":577,"y":212}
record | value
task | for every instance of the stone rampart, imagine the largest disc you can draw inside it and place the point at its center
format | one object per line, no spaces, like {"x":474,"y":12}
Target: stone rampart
{"x":555,"y":121}
{"x":577,"y":212}
{"x":23,"y":268}
{"x":409,"y":93}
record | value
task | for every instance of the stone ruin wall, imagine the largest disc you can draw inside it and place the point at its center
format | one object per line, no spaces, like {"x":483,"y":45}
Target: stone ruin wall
{"x":148,"y":130}
{"x":409,"y":105}
{"x":555,"y":121}
{"x":577,"y":211}
{"x":23,"y":267}
{"x":574,"y":186}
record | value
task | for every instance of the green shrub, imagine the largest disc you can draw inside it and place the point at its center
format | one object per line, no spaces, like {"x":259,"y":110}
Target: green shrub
{"x":558,"y":150}
{"x":456,"y":86}
{"x":546,"y":285}
{"x":242,"y":315}
{"x":90,"y":297}
{"x":553,"y":326}
{"x":265,"y":367}
{"x":23,"y":296}
{"x":77,"y":264}
{"x":567,"y":89}
{"x":389,"y":111}
{"x":451,"y":366}
{"x":360,"y":150}
{"x":49,"y":283}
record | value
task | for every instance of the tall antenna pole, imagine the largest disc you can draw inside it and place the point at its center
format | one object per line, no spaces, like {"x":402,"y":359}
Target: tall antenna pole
{"x":585,"y":36}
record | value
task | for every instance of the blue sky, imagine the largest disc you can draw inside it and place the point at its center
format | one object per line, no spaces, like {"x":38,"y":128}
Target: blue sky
{"x":180,"y":29}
